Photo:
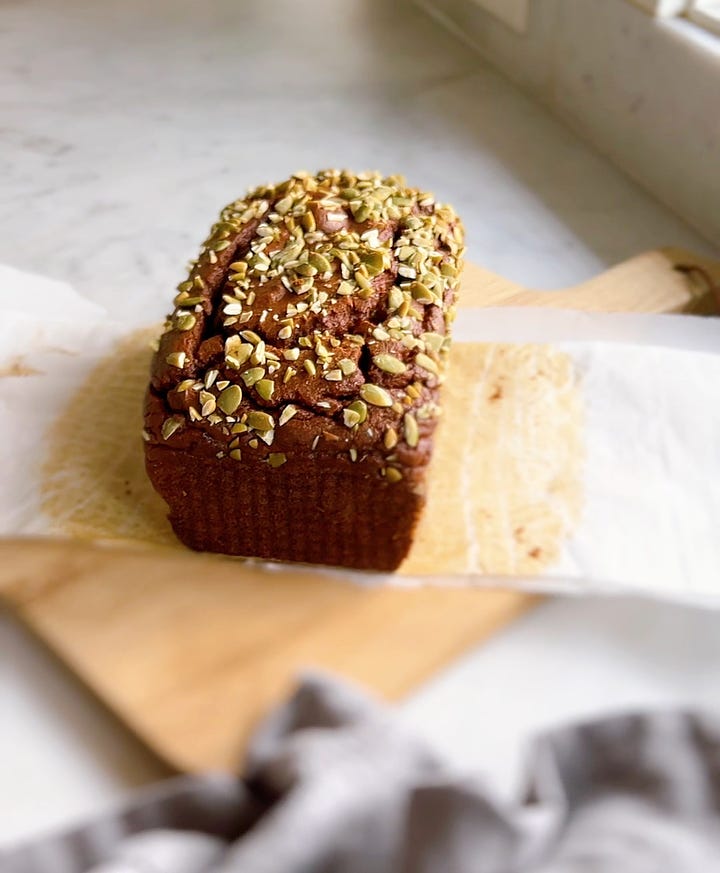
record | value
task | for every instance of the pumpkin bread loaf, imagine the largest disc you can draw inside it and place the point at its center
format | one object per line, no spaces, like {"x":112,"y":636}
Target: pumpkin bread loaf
{"x":294,"y":391}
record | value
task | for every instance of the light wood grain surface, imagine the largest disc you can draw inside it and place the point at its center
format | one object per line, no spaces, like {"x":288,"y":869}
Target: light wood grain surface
{"x":191,"y":650}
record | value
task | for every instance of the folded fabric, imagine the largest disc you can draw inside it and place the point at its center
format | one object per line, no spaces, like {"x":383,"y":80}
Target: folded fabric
{"x":334,"y":783}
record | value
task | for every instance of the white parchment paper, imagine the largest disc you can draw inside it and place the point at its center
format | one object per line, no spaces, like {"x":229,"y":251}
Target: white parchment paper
{"x":651,"y":387}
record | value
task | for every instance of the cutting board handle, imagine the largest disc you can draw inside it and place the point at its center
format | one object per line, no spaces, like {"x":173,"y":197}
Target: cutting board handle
{"x":662,"y":280}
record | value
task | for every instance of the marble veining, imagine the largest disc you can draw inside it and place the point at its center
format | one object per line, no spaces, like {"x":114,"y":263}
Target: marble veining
{"x":126,"y":125}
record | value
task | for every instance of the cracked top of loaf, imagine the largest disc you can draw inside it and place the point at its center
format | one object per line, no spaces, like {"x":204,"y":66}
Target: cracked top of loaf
{"x":315,"y":319}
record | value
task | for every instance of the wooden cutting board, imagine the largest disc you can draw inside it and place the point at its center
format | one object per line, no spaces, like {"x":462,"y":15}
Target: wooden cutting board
{"x":189,"y":651}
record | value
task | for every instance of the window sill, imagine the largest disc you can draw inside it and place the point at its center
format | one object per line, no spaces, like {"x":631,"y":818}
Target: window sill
{"x":644,"y":91}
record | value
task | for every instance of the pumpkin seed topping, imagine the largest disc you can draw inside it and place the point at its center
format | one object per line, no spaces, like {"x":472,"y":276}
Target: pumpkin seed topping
{"x":360,"y":409}
{"x":229,"y":399}
{"x":208,"y":403}
{"x":253,"y":375}
{"x":392,"y":474}
{"x":370,"y":246}
{"x":260,"y":421}
{"x":375,"y":395}
{"x":390,"y":439}
{"x":427,"y":363}
{"x":288,"y":412}
{"x":265,"y":388}
{"x":176,"y":359}
{"x":411,"y":432}
{"x":185,"y":321}
{"x":389,"y":364}
{"x":171,"y":426}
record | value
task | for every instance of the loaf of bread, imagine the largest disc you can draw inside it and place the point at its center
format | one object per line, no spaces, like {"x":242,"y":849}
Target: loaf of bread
{"x":294,"y":391}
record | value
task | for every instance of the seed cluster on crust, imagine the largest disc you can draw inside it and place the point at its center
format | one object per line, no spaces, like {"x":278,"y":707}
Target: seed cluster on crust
{"x":329,"y":295}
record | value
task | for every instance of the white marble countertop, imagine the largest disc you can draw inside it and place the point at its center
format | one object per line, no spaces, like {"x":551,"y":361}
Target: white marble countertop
{"x":125,"y":126}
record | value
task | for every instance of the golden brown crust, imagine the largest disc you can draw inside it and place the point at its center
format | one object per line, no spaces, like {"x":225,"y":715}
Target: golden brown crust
{"x":313,"y":325}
